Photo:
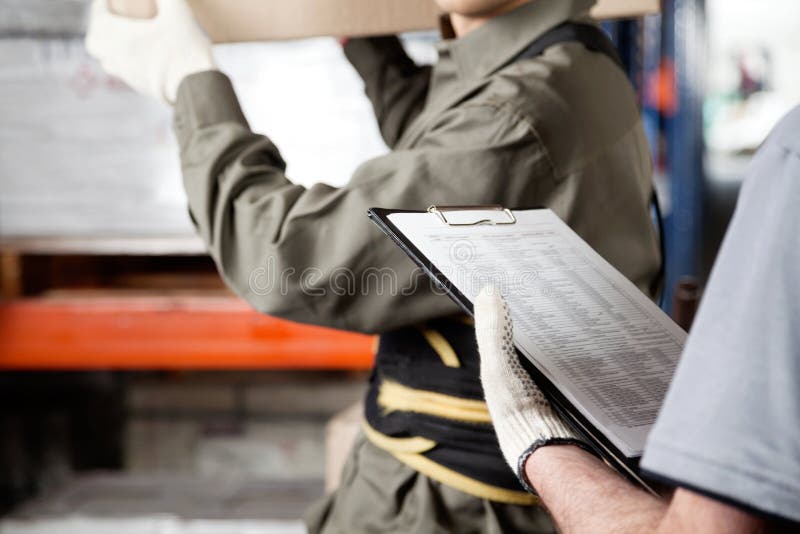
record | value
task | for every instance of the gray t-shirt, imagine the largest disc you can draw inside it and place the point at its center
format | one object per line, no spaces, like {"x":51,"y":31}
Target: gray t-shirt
{"x":730,"y":425}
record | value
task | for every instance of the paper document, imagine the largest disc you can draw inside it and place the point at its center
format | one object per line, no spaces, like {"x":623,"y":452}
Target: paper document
{"x":606,"y":346}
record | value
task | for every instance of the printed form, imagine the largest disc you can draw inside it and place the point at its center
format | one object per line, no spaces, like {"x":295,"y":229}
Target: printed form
{"x":606,"y":346}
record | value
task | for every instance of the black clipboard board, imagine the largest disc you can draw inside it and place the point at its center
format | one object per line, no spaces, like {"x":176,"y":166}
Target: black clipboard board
{"x":626,"y":465}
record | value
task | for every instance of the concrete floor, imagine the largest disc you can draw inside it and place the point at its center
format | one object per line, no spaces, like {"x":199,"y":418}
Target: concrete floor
{"x":144,"y":504}
{"x":205,"y":453}
{"x":149,"y":525}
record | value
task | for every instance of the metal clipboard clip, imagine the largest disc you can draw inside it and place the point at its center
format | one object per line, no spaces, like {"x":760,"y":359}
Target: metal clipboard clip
{"x":441,"y":211}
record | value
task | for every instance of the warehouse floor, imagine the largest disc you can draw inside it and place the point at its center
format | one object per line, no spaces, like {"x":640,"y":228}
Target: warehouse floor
{"x":150,"y":504}
{"x":203,"y":453}
{"x":150,"y":525}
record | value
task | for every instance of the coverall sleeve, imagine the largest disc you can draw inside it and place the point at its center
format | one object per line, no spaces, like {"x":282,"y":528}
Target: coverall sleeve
{"x":395,"y":85}
{"x":311,"y":255}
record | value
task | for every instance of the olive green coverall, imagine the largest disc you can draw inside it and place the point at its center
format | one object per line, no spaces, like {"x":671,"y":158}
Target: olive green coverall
{"x":561,"y":130}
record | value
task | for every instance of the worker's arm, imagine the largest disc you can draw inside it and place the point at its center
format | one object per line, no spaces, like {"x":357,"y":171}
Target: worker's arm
{"x":584,"y":495}
{"x":311,"y":255}
{"x":581,"y":493}
{"x":396,"y":86}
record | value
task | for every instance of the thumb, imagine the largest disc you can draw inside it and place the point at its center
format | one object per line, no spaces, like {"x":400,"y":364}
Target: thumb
{"x":494,"y":329}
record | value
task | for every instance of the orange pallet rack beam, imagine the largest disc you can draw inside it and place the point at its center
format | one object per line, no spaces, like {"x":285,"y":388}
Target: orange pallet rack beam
{"x":178,"y":332}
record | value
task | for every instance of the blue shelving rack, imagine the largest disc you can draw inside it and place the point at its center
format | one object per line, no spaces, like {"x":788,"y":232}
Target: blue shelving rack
{"x":672,"y":46}
{"x":685,"y":44}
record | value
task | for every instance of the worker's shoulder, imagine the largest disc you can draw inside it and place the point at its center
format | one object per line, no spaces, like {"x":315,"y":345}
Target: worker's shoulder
{"x":772,"y":183}
{"x":786,"y":135}
{"x":568,"y":92}
{"x":568,"y":87}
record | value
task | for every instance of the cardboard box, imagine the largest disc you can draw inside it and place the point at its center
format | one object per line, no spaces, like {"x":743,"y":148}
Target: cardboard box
{"x":340,"y":436}
{"x":262,"y":20}
{"x":624,"y":9}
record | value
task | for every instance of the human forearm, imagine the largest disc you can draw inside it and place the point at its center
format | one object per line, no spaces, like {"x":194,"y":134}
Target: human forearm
{"x":394,"y":84}
{"x":220,"y":156}
{"x":237,"y":192}
{"x":304,"y":254}
{"x":585,"y":496}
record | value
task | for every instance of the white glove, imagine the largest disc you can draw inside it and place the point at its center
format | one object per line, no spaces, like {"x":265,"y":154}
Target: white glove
{"x":151,"y":55}
{"x":523,"y":418}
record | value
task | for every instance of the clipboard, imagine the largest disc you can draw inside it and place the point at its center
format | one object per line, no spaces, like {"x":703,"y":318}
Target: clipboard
{"x":498,"y":215}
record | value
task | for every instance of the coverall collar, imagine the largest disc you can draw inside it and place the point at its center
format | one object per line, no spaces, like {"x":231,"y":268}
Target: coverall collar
{"x":492,"y":45}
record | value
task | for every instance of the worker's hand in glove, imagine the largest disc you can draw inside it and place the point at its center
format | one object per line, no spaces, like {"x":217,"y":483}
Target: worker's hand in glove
{"x":523,"y":419}
{"x":151,"y":55}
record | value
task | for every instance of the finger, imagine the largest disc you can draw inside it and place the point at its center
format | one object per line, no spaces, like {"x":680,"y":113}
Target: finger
{"x":106,"y":28}
{"x":101,"y":16}
{"x":98,"y":8}
{"x":97,"y":14}
{"x":103,"y":28}
{"x":174,"y":10}
{"x":495,"y":332}
{"x":493,"y":325}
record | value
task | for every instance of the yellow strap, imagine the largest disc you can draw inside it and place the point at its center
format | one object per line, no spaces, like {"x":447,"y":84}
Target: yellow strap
{"x":441,"y":346}
{"x":467,"y":320}
{"x":408,"y":450}
{"x":464,"y":483}
{"x":398,"y":445}
{"x":395,"y":397}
